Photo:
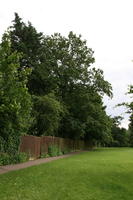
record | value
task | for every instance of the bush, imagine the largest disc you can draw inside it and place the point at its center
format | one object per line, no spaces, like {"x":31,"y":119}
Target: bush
{"x":54,"y":151}
{"x":66,"y":150}
{"x":19,"y":158}
{"x":2,"y":144}
{"x":45,"y":155}
{"x":60,"y":153}
{"x":6,"y":159}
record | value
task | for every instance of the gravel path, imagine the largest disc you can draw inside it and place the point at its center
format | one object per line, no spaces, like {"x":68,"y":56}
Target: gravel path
{"x":8,"y":168}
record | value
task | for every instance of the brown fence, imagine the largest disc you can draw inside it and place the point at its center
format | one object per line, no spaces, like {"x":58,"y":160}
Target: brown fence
{"x":35,"y":146}
{"x":30,"y":145}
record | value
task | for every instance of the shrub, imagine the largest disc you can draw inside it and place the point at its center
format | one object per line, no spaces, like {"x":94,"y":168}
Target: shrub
{"x":6,"y":159}
{"x":66,"y":150}
{"x":45,"y":155}
{"x":19,"y":158}
{"x":54,"y":150}
{"x":60,"y":153}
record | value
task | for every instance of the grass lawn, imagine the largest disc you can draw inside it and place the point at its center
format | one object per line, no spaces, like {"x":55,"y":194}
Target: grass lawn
{"x":104,"y":174}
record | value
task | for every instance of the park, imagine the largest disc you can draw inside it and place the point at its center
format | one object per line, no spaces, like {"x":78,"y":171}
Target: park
{"x":66,"y":109}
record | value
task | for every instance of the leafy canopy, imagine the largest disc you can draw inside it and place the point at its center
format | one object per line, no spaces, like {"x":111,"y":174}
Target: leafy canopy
{"x":15,"y":101}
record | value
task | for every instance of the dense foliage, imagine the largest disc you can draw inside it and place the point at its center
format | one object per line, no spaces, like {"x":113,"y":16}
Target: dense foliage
{"x":47,"y":112}
{"x":15,"y":101}
{"x":63,"y":89}
{"x":130,"y":111}
{"x":120,"y":136}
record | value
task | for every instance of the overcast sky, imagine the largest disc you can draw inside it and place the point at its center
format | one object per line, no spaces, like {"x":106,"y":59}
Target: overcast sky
{"x":107,"y":25}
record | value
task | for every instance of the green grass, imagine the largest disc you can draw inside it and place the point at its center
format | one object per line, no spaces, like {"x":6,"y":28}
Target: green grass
{"x":104,"y":174}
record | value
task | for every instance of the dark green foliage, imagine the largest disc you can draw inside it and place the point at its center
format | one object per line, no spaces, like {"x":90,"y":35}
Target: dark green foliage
{"x":54,"y":150}
{"x":6,"y":159}
{"x":26,"y":40}
{"x":131,"y":126}
{"x":47,"y":112}
{"x":87,"y":117}
{"x":66,"y":90}
{"x":75,"y":83}
{"x":19,"y":158}
{"x":129,"y":107}
{"x":67,"y":62}
{"x":120,"y":136}
{"x":45,"y":155}
{"x":66,"y":150}
{"x":15,"y":101}
{"x":130,"y":111}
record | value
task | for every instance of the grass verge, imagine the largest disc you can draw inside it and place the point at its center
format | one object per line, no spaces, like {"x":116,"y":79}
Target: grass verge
{"x":104,"y":174}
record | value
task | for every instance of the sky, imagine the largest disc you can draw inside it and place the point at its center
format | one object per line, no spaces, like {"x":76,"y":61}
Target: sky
{"x":107,"y":25}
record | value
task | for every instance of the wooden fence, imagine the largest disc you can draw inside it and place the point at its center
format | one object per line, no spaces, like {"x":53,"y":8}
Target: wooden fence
{"x":35,"y":146}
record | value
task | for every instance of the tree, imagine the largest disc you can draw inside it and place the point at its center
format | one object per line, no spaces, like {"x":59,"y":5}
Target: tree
{"x":67,"y":62}
{"x":86,"y":118}
{"x":47,"y":113}
{"x":120,"y":135}
{"x":15,"y":101}
{"x":26,"y":40}
{"x":62,"y":66}
{"x":130,"y":111}
{"x":67,"y":72}
{"x":129,"y":107}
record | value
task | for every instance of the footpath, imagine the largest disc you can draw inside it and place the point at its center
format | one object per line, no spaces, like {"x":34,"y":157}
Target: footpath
{"x":8,"y":168}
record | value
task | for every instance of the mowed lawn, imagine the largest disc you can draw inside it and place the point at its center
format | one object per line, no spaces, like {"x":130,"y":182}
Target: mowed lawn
{"x":104,"y":174}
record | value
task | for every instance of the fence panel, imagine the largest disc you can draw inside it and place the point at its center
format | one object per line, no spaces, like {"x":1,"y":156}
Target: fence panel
{"x":46,"y":141}
{"x":30,"y":145}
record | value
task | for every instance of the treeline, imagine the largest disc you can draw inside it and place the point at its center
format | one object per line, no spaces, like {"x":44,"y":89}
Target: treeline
{"x":49,"y":87}
{"x":129,"y":107}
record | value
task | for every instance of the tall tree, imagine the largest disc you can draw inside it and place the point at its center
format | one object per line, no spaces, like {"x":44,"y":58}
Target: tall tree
{"x":86,"y":118}
{"x":25,"y":39}
{"x":67,"y":62}
{"x":130,"y":111}
{"x":15,"y":101}
{"x":62,"y":66}
{"x":120,"y":135}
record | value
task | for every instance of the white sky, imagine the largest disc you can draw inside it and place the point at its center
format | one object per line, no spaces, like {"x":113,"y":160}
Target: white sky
{"x":107,"y":25}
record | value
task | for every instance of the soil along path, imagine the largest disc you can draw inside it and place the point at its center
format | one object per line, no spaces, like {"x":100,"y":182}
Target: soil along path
{"x":8,"y":168}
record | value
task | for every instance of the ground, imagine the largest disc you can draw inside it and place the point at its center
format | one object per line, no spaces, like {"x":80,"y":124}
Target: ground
{"x":103,"y":174}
